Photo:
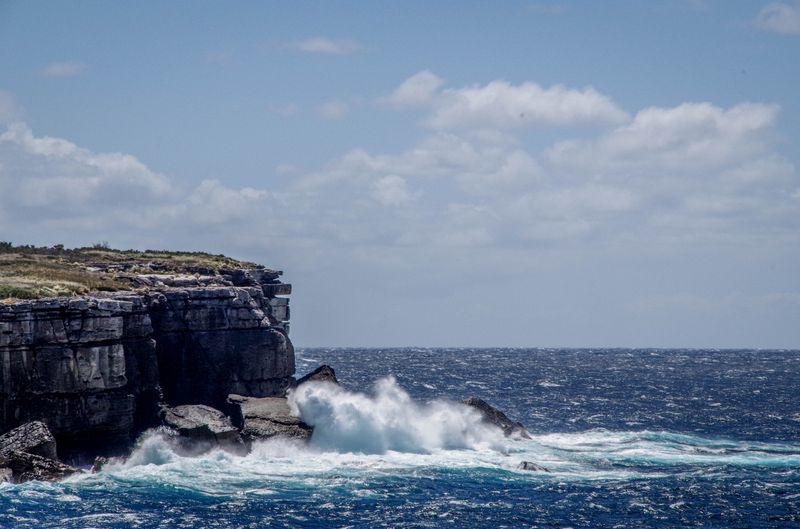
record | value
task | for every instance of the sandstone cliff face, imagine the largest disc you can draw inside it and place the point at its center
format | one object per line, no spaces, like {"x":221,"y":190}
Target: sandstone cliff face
{"x":95,"y":369}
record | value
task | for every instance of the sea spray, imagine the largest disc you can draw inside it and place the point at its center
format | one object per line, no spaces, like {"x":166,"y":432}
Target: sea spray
{"x":679,"y":463}
{"x":389,"y":419}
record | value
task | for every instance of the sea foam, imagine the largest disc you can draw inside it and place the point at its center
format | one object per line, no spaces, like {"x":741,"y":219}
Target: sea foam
{"x":389,"y":420}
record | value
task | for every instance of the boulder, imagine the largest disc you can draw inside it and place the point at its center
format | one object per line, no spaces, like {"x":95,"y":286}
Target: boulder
{"x":323,"y":373}
{"x":532,"y":467}
{"x":28,"y":467}
{"x":496,"y":417}
{"x":201,"y":427}
{"x":32,"y":438}
{"x":28,"y":452}
{"x":267,"y":417}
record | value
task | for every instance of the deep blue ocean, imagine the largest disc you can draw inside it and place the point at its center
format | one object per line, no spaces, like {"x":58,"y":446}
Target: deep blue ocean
{"x":632,"y":438}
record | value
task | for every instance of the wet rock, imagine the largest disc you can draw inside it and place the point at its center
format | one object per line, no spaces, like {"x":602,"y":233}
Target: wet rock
{"x":202,"y":427}
{"x":32,"y":437}
{"x":99,"y":463}
{"x":28,"y":467}
{"x":496,"y":417}
{"x":323,"y":373}
{"x":533,"y":467}
{"x":6,"y":475}
{"x":264,"y":418}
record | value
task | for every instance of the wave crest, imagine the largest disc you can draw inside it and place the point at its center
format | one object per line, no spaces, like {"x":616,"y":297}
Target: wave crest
{"x":388,"y":419}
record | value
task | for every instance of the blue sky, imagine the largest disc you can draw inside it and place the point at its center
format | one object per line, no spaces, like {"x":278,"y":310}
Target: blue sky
{"x":509,"y":173}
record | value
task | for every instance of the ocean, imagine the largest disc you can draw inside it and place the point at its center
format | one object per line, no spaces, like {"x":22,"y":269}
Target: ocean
{"x":631,"y":438}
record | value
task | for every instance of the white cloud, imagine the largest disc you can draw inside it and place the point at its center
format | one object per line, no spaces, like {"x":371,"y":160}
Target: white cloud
{"x":476,"y":166}
{"x":501,"y":105}
{"x":334,"y":109}
{"x":53,"y":182}
{"x":214,"y":203}
{"x":53,"y":172}
{"x":419,"y":89}
{"x":780,"y":18}
{"x":391,"y":190}
{"x":688,"y":137}
{"x":62,"y":69}
{"x":693,"y":172}
{"x":326,"y":46}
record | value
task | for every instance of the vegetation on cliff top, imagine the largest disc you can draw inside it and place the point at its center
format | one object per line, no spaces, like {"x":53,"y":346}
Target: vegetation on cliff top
{"x":31,"y":272}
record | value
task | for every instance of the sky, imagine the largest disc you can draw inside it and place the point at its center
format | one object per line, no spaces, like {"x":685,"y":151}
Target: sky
{"x":518,"y":173}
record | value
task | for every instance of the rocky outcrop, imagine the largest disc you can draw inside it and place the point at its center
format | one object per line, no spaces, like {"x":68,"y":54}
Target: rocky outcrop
{"x":33,"y":438}
{"x":95,"y":369}
{"x":323,"y":373}
{"x":215,"y":341}
{"x":64,"y":363}
{"x":202,"y":427}
{"x":28,"y":452}
{"x":27,"y":467}
{"x":531,"y":467}
{"x":496,"y":417}
{"x":264,"y":418}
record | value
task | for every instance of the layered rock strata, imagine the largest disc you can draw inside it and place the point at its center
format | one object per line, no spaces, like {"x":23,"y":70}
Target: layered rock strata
{"x":264,"y":418}
{"x":96,"y":368}
{"x":28,"y":452}
{"x":201,"y":428}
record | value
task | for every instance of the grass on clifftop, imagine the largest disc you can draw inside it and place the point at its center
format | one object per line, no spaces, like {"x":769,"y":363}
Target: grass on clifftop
{"x":31,"y":272}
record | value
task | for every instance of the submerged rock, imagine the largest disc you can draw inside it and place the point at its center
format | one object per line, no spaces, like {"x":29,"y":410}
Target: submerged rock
{"x":264,"y":418}
{"x":533,"y":467}
{"x":202,"y":427}
{"x":496,"y":417}
{"x":323,"y":373}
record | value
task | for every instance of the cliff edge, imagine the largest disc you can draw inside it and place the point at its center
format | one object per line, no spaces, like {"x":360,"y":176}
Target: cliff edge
{"x":130,"y":331}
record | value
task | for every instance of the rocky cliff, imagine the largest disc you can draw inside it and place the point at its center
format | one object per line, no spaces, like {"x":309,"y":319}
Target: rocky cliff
{"x":95,"y":368}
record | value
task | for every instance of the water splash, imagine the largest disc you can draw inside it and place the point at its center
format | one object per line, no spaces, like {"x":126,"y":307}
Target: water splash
{"x":389,"y":420}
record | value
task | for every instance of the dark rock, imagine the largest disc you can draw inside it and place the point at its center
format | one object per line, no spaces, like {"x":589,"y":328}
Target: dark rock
{"x":95,"y":369}
{"x":263,"y":418}
{"x":215,"y":341}
{"x":323,"y":373}
{"x":99,"y":463}
{"x":533,"y":467}
{"x":276,"y":289}
{"x":32,"y":437}
{"x":28,"y":467}
{"x":202,"y":426}
{"x":64,"y":363}
{"x":496,"y":417}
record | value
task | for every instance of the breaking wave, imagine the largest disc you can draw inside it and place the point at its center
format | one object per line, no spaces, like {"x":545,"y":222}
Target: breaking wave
{"x":389,"y":419}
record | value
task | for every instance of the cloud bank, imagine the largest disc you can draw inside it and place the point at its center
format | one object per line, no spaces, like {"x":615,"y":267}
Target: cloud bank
{"x":695,"y":172}
{"x":502,"y":105}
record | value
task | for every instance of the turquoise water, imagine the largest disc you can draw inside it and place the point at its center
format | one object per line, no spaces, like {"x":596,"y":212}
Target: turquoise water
{"x":633,"y":438}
